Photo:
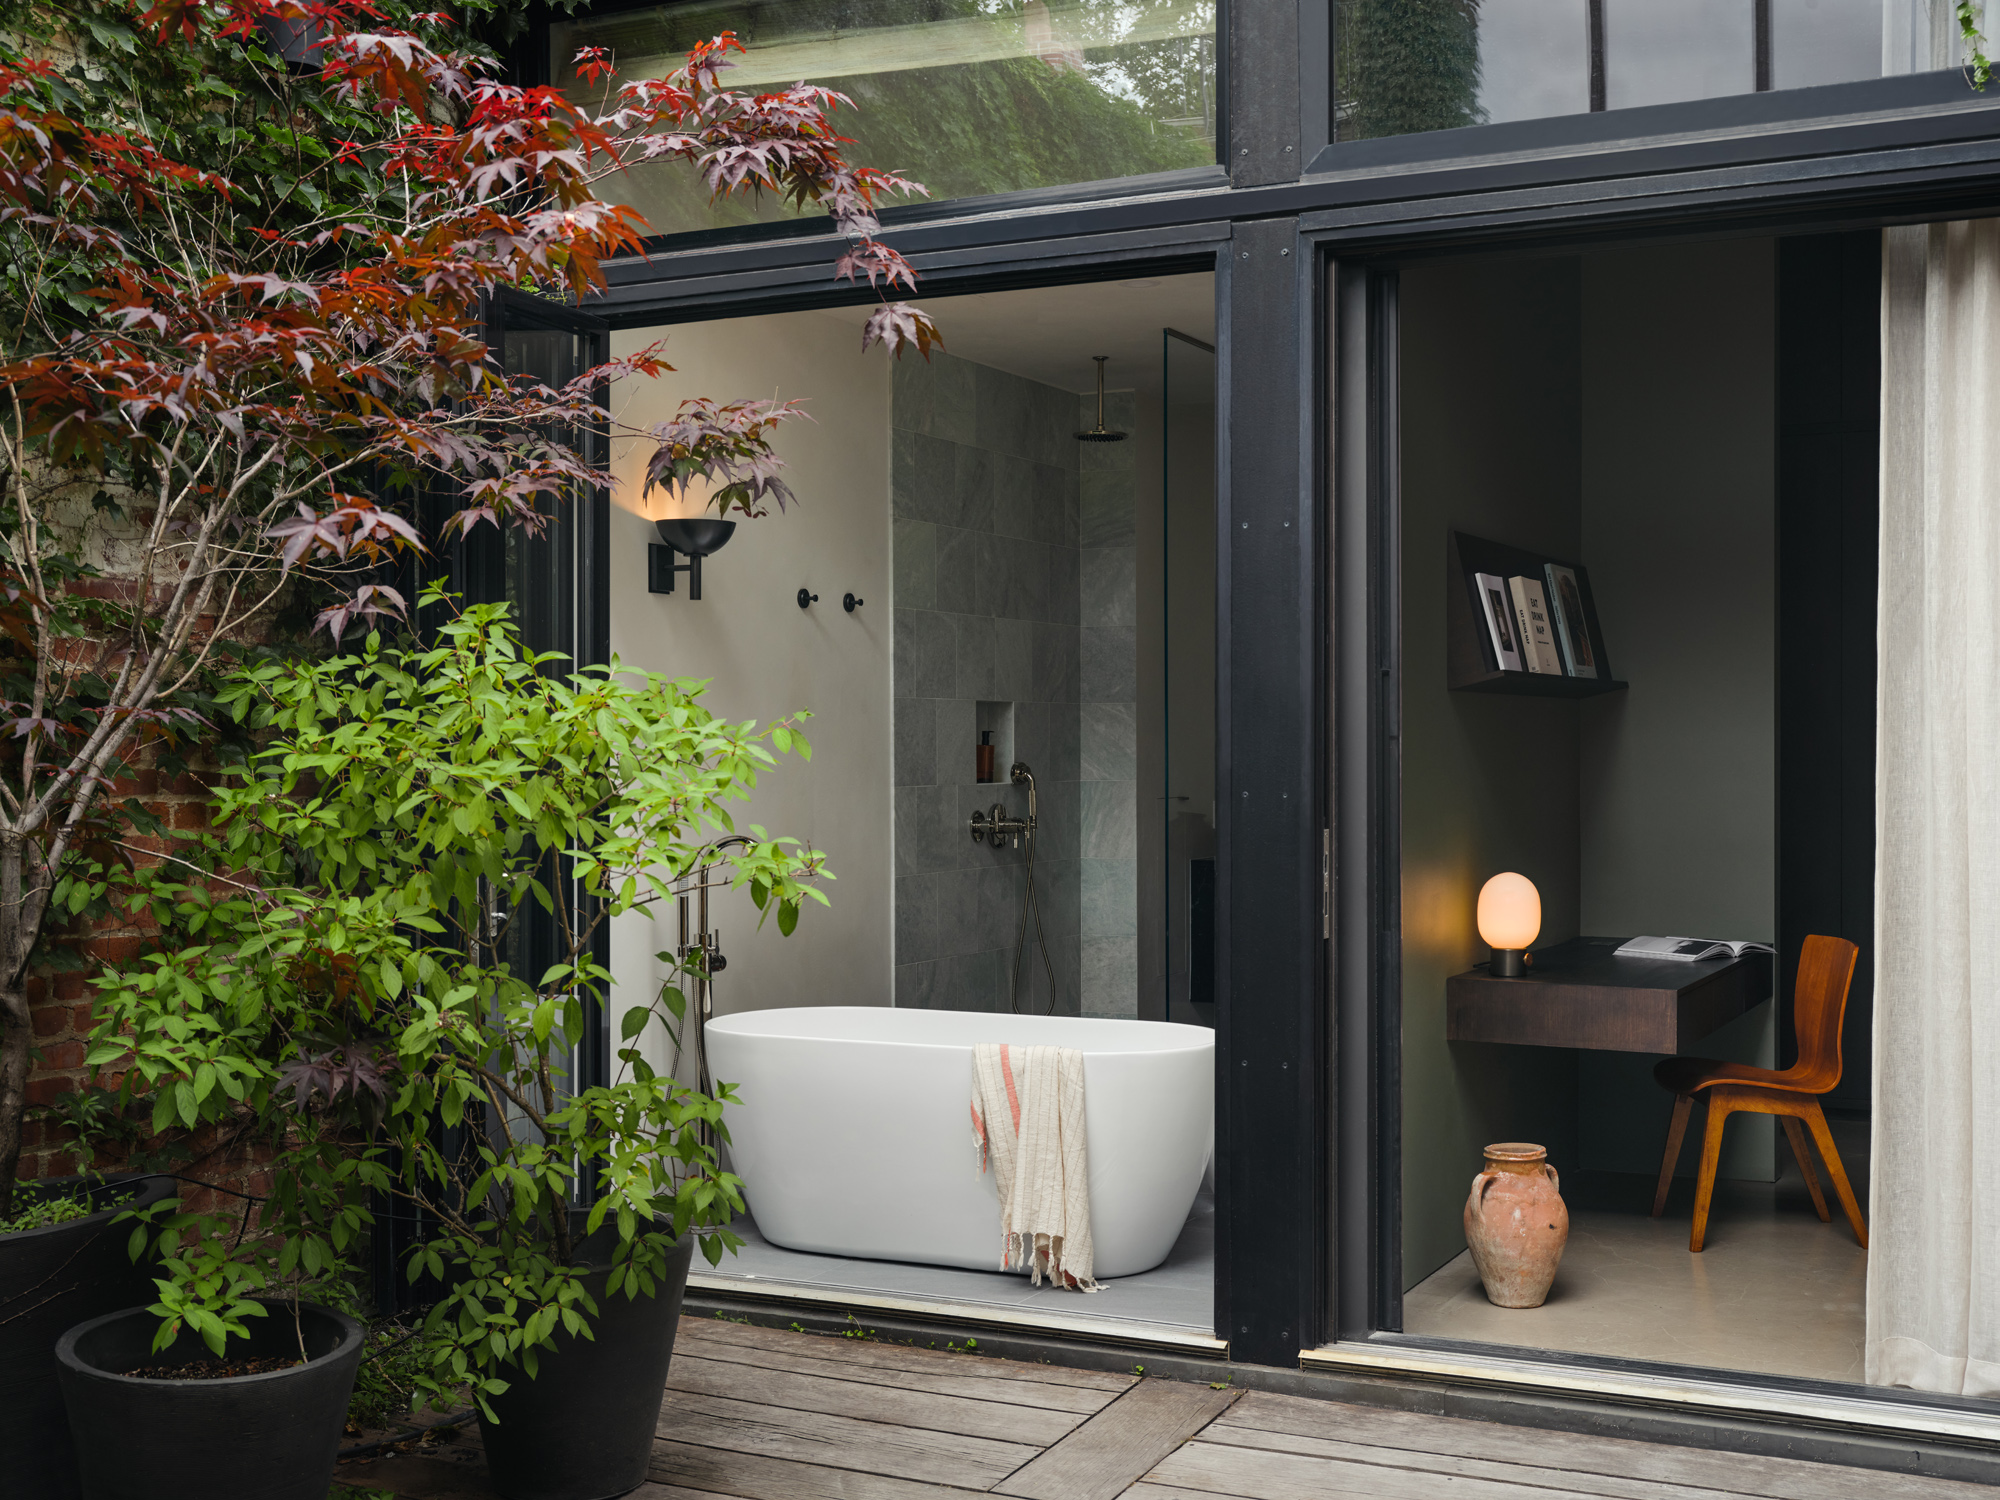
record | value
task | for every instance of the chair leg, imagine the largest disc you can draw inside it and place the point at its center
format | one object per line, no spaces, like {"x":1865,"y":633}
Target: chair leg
{"x":1683,"y":1105}
{"x":1796,"y":1134}
{"x":1711,"y":1158}
{"x":1824,"y":1137}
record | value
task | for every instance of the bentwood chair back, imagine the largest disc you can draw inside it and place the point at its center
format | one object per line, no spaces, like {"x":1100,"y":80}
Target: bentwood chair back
{"x":1819,"y":1005}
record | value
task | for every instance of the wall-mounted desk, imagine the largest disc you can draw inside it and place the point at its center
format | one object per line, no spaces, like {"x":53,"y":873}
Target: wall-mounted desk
{"x":1578,"y":994}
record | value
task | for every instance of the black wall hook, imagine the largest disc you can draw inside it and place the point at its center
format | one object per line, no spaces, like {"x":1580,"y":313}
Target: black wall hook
{"x":850,"y":603}
{"x":807,"y":599}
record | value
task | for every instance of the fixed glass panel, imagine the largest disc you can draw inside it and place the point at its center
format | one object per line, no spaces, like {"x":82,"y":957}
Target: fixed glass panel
{"x":967,"y":97}
{"x":1406,"y":66}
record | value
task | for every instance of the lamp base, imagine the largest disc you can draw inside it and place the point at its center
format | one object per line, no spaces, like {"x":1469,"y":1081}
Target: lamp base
{"x":1508,"y":963}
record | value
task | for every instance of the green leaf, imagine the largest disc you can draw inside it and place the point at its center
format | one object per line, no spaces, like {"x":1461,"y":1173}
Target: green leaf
{"x":788,"y":917}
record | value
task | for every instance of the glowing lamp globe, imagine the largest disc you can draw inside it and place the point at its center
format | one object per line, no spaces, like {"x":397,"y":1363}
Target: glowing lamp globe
{"x":1510,"y":919}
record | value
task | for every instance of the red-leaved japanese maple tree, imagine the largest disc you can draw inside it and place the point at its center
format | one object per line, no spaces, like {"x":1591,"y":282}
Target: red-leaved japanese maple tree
{"x":212,"y":393}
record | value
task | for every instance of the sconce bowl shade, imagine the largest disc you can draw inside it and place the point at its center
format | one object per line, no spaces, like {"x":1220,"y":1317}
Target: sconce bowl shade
{"x":1510,"y":912}
{"x":697,"y":537}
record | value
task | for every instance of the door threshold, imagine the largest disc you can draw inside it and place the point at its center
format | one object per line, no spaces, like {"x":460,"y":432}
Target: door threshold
{"x":1894,"y":1415}
{"x":1124,"y":1335}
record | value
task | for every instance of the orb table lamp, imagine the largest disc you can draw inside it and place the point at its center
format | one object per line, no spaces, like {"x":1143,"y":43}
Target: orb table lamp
{"x":1510,"y":919}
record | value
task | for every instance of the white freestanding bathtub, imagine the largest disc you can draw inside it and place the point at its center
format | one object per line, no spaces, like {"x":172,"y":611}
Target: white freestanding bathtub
{"x":854,"y":1134}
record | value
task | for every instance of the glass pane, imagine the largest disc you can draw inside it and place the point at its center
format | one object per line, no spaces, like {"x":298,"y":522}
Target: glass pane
{"x":1691,"y":49}
{"x":966,"y":96}
{"x":1534,"y":59}
{"x":1188,"y":508}
{"x":1825,"y":41}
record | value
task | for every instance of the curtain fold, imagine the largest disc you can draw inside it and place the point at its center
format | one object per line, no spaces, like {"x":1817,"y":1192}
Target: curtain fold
{"x":1934,"y":1262}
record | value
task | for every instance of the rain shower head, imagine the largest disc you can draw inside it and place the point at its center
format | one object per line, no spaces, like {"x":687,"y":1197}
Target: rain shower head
{"x":1100,"y":433}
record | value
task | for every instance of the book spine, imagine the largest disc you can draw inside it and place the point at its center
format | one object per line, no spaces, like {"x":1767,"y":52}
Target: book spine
{"x":1538,"y":642}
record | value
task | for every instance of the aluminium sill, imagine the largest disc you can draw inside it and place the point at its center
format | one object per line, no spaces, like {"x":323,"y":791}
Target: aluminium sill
{"x":1158,"y":1337}
{"x":1721,"y":1397}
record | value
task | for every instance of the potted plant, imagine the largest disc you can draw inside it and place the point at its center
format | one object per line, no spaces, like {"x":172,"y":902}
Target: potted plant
{"x":363,"y":980}
{"x":62,"y":1261}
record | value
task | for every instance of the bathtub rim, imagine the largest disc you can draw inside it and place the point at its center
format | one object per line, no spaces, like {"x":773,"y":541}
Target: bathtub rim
{"x":1197,"y":1039}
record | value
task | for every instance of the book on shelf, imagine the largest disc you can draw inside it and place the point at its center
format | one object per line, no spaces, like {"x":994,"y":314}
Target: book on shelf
{"x":1572,"y":625}
{"x":1498,"y":611}
{"x":1531,"y":618}
{"x":1688,"y":950}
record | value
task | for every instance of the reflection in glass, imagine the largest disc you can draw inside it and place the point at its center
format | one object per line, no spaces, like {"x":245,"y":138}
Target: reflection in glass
{"x":1691,"y":49}
{"x":966,"y":96}
{"x":1534,"y":59}
{"x":1826,"y":41}
{"x":1188,"y":513}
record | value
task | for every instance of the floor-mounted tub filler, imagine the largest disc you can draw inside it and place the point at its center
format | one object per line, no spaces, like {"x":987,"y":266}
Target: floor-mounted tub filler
{"x":854,"y":1134}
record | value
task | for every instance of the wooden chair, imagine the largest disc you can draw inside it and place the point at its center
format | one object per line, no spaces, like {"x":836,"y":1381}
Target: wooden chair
{"x":1819,"y":1001}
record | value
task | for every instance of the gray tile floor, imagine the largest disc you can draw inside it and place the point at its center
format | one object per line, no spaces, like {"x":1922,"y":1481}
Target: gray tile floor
{"x":1179,"y":1294}
{"x":1775,"y":1291}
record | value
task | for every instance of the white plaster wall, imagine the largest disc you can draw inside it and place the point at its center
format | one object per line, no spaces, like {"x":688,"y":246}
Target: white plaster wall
{"x":766,"y":657}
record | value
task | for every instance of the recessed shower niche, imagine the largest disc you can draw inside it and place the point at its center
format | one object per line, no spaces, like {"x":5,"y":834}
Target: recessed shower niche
{"x":997,"y":721}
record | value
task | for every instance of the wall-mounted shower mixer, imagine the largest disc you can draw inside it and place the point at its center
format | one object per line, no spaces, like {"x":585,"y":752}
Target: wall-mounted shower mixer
{"x":998,"y":827}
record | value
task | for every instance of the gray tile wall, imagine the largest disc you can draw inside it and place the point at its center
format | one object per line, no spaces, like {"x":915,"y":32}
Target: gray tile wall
{"x":1107,"y":712}
{"x":985,"y":569}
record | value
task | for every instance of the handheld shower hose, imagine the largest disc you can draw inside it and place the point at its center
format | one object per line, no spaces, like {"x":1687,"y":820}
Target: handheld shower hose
{"x":1022,"y":776}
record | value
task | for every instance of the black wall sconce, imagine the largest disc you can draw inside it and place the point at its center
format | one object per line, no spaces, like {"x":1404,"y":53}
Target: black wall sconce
{"x":693,"y":539}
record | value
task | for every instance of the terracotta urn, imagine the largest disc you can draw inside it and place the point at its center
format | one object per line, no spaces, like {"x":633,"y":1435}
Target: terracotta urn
{"x":1516,"y":1224}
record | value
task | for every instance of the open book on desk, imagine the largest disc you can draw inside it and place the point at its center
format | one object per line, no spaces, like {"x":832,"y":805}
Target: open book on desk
{"x":1688,"y":950}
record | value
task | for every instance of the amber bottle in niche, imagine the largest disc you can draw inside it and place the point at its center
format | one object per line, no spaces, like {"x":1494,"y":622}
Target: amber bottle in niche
{"x":984,"y":751}
{"x":1516,"y":1224}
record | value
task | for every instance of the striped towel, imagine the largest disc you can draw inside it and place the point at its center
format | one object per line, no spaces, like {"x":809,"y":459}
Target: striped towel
{"x":1027,"y":1120}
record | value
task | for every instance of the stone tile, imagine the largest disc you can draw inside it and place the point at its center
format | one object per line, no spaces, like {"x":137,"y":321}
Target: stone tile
{"x":1110,"y":586}
{"x":1002,"y":419}
{"x":1053,"y":436}
{"x":974,"y":650}
{"x":1109,"y":669}
{"x":1060,"y":882}
{"x":925,"y":816}
{"x":1111,"y":977}
{"x":916,"y":918}
{"x":953,"y":398}
{"x":925,"y":648}
{"x":1057,"y":663}
{"x":1020,"y":576}
{"x":916,"y":985}
{"x":1109,"y":901}
{"x":974,"y":796}
{"x":1001,"y":889}
{"x":1120,"y":407}
{"x":1031,"y":739}
{"x":1109,"y":749}
{"x":1106,"y":510}
{"x":911,"y":383}
{"x":972,"y":981}
{"x":1110,"y":826}
{"x":957,"y":734}
{"x":922,"y":479}
{"x":1068,"y":954}
{"x":1014,"y":500}
{"x":915,"y":742}
{"x":1059,"y":811}
{"x":1013,"y":660}
{"x":1065,"y":586}
{"x":1048,"y":522}
{"x":973,"y":487}
{"x":961,"y":584}
{"x":1063,"y":750}
{"x":913,"y":563}
{"x":958,"y":910}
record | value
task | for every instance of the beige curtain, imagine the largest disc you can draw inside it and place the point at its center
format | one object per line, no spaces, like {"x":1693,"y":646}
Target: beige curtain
{"x":1934,"y":1264}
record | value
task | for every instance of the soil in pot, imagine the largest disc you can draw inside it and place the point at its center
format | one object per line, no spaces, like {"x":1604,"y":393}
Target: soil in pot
{"x":582,"y":1429}
{"x":52,"y":1279}
{"x":270,"y":1436}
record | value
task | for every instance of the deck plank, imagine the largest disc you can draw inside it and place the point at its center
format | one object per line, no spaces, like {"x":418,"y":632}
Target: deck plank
{"x":874,"y":1403}
{"x":948,"y":1379}
{"x":839,"y":1442}
{"x":1107,"y":1454}
{"x":1250,"y":1474}
{"x":904,"y":1356}
{"x":1630,"y":1458}
{"x":705,"y":1471}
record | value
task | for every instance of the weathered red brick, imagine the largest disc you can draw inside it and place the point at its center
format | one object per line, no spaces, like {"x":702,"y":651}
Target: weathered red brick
{"x":58,"y":1056}
{"x":118,"y":948}
{"x":70,"y":987}
{"x":50,"y":1020}
{"x":46,"y":1090}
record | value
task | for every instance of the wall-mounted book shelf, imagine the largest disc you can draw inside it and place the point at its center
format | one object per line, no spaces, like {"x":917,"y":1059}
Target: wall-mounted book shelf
{"x":1472,"y":664}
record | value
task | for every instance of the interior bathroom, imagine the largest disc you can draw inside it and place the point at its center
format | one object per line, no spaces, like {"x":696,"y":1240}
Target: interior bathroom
{"x":995,"y":598}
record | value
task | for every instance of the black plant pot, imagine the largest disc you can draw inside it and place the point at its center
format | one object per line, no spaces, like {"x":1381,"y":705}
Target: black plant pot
{"x":52,"y":1279}
{"x":582,"y":1429}
{"x":249,"y":1437}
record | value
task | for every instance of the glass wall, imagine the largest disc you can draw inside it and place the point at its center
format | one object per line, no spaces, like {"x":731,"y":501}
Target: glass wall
{"x":966,"y":96}
{"x":1405,"y":66}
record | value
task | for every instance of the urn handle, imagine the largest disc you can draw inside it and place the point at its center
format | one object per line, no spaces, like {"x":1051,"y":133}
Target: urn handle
{"x":1486,"y":1180}
{"x":1550,"y":1169}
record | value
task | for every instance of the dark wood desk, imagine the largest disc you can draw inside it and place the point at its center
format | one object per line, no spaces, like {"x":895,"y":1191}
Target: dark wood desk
{"x":1578,"y":995}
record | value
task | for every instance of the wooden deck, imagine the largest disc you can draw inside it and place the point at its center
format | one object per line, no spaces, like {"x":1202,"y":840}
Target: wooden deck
{"x":761,"y":1414}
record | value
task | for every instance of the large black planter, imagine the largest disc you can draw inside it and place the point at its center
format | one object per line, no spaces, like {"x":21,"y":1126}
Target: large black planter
{"x":52,"y":1279}
{"x":582,"y":1429}
{"x":249,"y":1437}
